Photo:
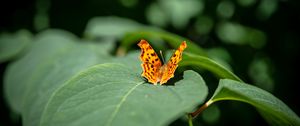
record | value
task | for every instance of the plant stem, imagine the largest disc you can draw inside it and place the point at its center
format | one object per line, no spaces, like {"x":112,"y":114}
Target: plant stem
{"x":203,"y":107}
{"x":190,"y":118}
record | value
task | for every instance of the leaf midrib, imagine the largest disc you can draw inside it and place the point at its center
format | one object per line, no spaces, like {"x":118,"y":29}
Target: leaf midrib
{"x":113,"y":115}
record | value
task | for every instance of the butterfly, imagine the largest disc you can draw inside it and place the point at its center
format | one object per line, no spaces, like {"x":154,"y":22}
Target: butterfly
{"x":153,"y":69}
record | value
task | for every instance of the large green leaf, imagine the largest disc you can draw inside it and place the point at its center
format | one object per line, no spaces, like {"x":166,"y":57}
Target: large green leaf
{"x":13,"y":45}
{"x":270,"y":107}
{"x":113,"y":94}
{"x":208,"y":64}
{"x":54,"y":58}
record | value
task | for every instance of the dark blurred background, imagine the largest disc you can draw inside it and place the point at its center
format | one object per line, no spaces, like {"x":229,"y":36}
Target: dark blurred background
{"x":258,"y":39}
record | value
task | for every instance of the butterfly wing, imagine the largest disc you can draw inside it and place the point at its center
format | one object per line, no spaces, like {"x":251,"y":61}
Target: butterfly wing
{"x":172,"y":64}
{"x":151,"y":62}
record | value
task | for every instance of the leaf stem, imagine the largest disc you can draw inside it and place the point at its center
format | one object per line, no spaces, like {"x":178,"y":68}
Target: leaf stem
{"x":190,"y":118}
{"x":203,"y":107}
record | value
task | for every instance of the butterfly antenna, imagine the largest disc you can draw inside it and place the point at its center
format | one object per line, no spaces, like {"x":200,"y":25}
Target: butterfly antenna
{"x":162,"y":56}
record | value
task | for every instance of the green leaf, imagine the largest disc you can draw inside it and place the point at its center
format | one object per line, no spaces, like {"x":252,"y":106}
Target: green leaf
{"x":172,"y":39}
{"x":103,"y":48}
{"x":270,"y":107}
{"x":131,"y":60}
{"x":113,"y":94}
{"x":208,"y":64}
{"x":13,"y":45}
{"x":111,"y":27}
{"x":54,"y":58}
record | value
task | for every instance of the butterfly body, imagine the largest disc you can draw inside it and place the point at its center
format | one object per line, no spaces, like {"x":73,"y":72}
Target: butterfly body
{"x":153,"y":69}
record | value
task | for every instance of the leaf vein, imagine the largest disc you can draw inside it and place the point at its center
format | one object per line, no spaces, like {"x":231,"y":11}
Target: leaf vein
{"x":113,"y":115}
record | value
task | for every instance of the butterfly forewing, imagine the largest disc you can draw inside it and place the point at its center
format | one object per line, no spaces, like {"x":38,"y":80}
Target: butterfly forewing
{"x":151,"y":62}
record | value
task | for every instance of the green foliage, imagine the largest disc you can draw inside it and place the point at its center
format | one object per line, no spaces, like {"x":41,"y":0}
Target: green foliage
{"x":64,"y":80}
{"x":12,"y":45}
{"x":260,"y":70}
{"x":208,"y":64}
{"x":111,"y":27}
{"x":270,"y":107}
{"x":171,"y":39}
{"x":238,"y":34}
{"x":175,"y":12}
{"x":211,"y":114}
{"x":54,"y":58}
{"x":112,"y":94}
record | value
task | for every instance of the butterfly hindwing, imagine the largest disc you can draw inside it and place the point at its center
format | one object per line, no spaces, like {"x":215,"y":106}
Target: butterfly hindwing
{"x":172,"y":64}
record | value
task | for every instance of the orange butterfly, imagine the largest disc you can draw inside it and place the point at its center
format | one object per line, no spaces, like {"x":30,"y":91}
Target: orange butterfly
{"x":153,"y":69}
